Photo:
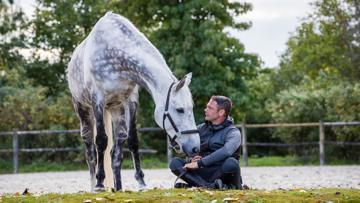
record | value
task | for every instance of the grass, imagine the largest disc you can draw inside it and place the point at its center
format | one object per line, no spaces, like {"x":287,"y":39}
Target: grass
{"x":196,"y":195}
{"x":154,"y":162}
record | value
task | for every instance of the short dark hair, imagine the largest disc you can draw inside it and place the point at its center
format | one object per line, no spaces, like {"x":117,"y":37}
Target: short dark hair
{"x":223,"y":103}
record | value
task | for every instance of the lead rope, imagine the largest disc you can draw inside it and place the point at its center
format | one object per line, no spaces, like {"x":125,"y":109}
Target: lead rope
{"x":179,"y":176}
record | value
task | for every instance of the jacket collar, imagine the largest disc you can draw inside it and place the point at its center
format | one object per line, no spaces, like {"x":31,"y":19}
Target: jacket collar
{"x":227,"y":122}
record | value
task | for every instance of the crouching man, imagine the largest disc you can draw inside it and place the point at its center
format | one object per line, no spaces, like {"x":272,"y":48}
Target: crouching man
{"x":217,"y":165}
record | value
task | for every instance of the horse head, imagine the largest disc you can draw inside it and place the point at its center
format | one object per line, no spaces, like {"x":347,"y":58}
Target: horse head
{"x":176,"y":117}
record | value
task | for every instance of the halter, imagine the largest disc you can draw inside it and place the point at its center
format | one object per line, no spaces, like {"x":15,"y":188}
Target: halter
{"x":167,"y":115}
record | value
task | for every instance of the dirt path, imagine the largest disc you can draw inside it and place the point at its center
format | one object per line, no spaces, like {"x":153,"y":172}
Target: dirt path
{"x":267,"y":178}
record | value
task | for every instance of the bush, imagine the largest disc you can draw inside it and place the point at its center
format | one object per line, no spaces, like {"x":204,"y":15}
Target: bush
{"x":313,"y":102}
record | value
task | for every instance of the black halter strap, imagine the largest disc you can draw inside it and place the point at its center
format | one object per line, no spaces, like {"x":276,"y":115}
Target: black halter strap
{"x":167,"y":115}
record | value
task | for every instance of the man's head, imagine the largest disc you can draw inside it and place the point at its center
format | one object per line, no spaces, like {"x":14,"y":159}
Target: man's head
{"x":217,"y":109}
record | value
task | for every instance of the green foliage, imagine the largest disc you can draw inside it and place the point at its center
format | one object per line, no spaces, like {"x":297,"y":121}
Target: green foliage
{"x":317,"y":79}
{"x":326,"y":43}
{"x":17,"y":109}
{"x":342,"y":103}
{"x":312,"y":102}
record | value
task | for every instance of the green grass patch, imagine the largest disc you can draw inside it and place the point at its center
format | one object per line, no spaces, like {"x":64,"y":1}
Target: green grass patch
{"x":273,"y":161}
{"x":196,"y":195}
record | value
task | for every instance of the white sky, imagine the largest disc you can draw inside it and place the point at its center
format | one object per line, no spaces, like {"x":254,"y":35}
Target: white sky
{"x":273,"y":22}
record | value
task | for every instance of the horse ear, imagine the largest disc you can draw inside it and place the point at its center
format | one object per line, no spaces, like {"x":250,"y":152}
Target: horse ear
{"x":184,"y":81}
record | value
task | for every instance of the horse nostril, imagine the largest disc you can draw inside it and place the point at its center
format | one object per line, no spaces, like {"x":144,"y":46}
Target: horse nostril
{"x":195,"y":150}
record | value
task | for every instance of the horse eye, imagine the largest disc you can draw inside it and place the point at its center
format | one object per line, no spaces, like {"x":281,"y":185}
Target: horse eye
{"x":180,"y":110}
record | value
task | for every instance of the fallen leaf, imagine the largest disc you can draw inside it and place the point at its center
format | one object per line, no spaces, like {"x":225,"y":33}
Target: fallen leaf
{"x":230,"y":199}
{"x":100,"y":199}
{"x":208,"y":192}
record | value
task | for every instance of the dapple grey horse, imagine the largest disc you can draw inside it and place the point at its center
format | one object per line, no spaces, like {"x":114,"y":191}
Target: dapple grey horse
{"x":104,"y":76}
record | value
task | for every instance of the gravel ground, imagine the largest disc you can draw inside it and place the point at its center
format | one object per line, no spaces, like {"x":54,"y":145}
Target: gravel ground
{"x":267,"y":178}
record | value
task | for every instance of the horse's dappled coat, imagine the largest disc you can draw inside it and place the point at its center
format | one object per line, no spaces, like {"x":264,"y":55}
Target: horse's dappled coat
{"x":104,"y":76}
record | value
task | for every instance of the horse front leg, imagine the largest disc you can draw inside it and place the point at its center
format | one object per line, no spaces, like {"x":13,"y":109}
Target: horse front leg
{"x":133,"y":143}
{"x":119,"y":136}
{"x":101,"y":139}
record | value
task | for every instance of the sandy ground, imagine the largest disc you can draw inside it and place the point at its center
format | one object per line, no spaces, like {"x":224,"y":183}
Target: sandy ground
{"x":267,"y":178}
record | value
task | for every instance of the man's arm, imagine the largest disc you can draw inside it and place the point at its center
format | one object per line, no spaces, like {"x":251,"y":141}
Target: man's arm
{"x":232,"y":143}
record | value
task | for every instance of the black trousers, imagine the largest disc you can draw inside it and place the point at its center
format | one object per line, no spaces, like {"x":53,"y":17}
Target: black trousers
{"x":228,"y":171}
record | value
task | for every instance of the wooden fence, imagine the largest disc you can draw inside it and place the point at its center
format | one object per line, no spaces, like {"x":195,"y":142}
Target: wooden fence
{"x":321,"y":125}
{"x":16,"y":150}
{"x":321,"y":143}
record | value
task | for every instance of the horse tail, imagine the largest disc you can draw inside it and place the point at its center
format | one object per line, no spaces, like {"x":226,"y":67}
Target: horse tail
{"x":109,"y":177}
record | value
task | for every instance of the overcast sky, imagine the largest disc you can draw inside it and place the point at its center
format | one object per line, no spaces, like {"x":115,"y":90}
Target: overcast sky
{"x":273,"y":21}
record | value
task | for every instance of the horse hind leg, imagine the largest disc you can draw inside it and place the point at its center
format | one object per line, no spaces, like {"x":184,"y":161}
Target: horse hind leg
{"x":119,"y":136}
{"x":133,"y":143}
{"x":87,"y":134}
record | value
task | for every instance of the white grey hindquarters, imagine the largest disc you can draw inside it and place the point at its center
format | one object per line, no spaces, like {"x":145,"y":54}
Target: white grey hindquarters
{"x":104,"y":74}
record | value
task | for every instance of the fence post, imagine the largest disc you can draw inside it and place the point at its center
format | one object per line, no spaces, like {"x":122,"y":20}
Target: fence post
{"x":244,"y":144}
{"x":322,"y":142}
{"x":169,"y":150}
{"x":15,"y":151}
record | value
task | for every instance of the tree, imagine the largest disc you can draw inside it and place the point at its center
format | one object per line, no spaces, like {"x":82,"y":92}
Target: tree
{"x":12,"y":39}
{"x":23,"y":104}
{"x":326,"y":43}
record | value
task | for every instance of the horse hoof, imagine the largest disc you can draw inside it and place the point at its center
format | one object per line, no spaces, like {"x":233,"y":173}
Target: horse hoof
{"x":99,"y":188}
{"x":142,"y":187}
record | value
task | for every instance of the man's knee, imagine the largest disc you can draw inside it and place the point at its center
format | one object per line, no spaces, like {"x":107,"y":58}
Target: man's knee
{"x":231,"y":165}
{"x":176,"y":164}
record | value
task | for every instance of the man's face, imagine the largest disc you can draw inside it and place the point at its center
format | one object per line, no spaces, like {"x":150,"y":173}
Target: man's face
{"x":212,"y":112}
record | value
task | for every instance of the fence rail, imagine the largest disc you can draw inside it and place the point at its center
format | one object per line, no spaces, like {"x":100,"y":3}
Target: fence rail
{"x":16,"y":150}
{"x":321,"y":125}
{"x":321,"y":143}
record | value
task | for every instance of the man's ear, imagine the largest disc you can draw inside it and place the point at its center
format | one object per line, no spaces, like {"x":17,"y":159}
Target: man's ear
{"x":222,"y":112}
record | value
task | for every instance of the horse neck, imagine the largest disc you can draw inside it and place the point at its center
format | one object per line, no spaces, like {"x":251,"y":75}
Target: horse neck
{"x":159,"y":85}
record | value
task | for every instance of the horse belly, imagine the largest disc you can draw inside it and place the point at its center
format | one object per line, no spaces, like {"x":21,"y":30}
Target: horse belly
{"x":118,"y":93}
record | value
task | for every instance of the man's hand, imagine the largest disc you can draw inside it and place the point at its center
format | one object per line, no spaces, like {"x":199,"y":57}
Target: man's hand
{"x":196,"y":158}
{"x":191,"y":166}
